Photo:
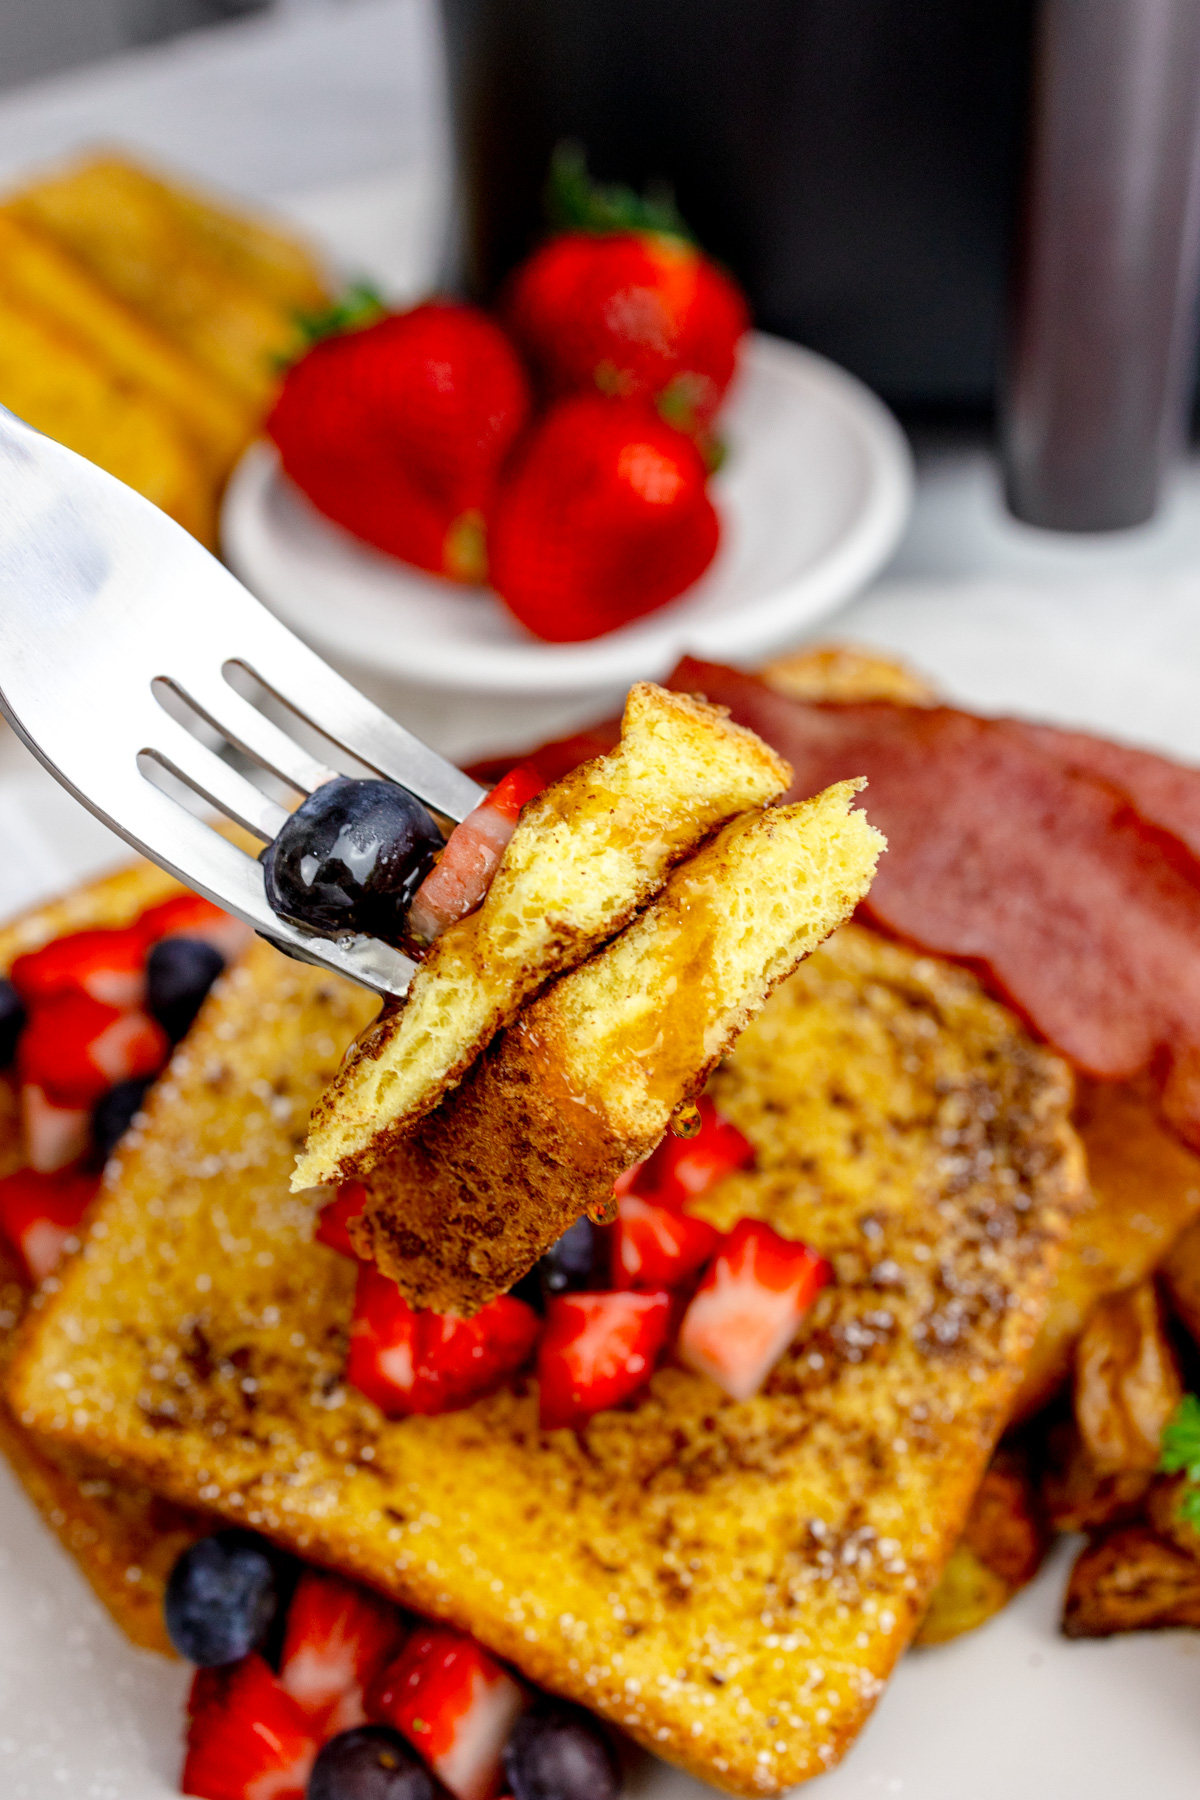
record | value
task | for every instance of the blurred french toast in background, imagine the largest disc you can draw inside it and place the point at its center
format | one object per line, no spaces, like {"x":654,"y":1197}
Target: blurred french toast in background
{"x":146,"y":326}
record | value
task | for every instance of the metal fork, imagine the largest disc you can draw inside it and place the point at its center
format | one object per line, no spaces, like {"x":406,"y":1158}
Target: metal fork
{"x":109,"y":611}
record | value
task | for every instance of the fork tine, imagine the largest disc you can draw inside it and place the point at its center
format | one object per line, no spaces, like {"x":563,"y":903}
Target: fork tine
{"x":297,"y":676}
{"x":214,"y":866}
{"x":252,"y":732}
{"x":102,"y":598}
{"x":203,"y":770}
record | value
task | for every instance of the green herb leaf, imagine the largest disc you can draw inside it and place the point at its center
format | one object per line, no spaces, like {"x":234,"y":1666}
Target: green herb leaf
{"x":574,"y":202}
{"x":1181,"y":1440}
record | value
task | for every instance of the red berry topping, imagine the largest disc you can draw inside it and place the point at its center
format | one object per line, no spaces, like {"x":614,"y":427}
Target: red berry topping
{"x":247,"y":1738}
{"x":456,"y":1705}
{"x":398,"y":431}
{"x":516,"y":789}
{"x":656,"y":1247}
{"x":597,"y":1350}
{"x":339,"y":1640}
{"x":747,"y":1309}
{"x":410,"y":1362}
{"x":54,"y":1135}
{"x":333,"y":1220}
{"x":630,"y":313}
{"x":682,"y":1169}
{"x":187,"y":915}
{"x":604,"y":517}
{"x":75,"y":1048}
{"x":38,"y":1213}
{"x":109,"y":966}
{"x":472,"y":855}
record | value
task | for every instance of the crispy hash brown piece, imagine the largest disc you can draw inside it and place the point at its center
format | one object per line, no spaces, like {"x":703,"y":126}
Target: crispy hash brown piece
{"x":1127,"y":1382}
{"x":584,"y":1084}
{"x":731,"y":1582}
{"x":1076,"y":1496}
{"x":1131,"y":1580}
{"x":999,"y":1552}
{"x":586,"y":854}
{"x":1143,"y":1190}
{"x":124,"y":1538}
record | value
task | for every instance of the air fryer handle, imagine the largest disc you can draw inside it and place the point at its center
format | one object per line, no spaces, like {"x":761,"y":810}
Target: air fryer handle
{"x":1105,"y":280}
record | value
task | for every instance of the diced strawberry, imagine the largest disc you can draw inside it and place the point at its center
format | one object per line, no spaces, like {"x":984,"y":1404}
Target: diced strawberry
{"x":109,"y":966}
{"x":332,"y":1220}
{"x":683,"y":1168}
{"x":746,"y":1310}
{"x":654,"y":1247}
{"x":455,"y":1705}
{"x":472,"y":855}
{"x":188,"y":915}
{"x":76,"y":1048}
{"x":410,"y":1362}
{"x":247,"y":1738}
{"x":339,"y":1640}
{"x":38,"y":1213}
{"x":54,"y":1135}
{"x":597,"y":1350}
{"x":514,"y":791}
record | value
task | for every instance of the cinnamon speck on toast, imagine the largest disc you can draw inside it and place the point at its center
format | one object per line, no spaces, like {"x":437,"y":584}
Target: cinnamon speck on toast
{"x":731,"y":1582}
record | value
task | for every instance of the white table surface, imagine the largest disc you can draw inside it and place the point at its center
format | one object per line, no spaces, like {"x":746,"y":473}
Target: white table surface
{"x":334,"y":115}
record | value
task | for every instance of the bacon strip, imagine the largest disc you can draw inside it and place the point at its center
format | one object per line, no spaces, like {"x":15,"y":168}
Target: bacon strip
{"x":1084,"y":913}
{"x":1166,"y":793}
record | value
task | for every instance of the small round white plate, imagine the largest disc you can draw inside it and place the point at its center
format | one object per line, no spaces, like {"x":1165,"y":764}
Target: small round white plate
{"x":813,"y":497}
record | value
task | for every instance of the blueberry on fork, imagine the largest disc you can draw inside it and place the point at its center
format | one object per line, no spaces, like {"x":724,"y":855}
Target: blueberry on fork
{"x":351,"y":858}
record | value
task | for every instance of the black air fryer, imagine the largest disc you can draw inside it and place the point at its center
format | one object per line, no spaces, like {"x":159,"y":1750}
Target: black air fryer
{"x":884,"y":176}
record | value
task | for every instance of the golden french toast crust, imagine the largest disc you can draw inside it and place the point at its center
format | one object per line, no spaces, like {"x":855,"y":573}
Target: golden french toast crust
{"x":462,"y":1210}
{"x":728,"y":1582}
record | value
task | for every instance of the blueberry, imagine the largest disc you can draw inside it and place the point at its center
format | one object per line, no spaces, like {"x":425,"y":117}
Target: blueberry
{"x":351,"y":858}
{"x":112,"y":1114}
{"x":12,"y":1021}
{"x":222,"y":1597}
{"x":567,"y":1266}
{"x":179,"y":973}
{"x":559,"y":1752}
{"x":372,"y":1762}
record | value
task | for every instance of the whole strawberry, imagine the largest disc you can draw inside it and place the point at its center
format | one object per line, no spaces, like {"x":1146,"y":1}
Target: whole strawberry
{"x":398,"y":431}
{"x":623,"y":302}
{"x":603,"y":517}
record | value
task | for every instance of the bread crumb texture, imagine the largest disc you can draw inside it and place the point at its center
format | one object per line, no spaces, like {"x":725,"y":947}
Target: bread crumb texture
{"x":730,"y":1582}
{"x":588,"y":852}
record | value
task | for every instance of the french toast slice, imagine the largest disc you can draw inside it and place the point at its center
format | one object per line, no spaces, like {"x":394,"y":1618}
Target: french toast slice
{"x":587,"y":853}
{"x":730,"y":1582}
{"x":123,"y":1537}
{"x":226,"y":291}
{"x":584,"y":1084}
